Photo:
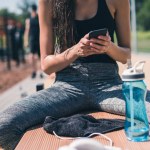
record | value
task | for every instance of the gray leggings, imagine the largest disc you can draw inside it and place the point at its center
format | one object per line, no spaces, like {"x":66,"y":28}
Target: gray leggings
{"x":78,"y":88}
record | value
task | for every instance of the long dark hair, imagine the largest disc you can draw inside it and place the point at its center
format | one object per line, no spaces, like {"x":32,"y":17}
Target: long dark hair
{"x":63,"y":24}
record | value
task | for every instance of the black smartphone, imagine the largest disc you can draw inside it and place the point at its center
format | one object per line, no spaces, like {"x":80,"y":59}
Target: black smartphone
{"x":96,"y":33}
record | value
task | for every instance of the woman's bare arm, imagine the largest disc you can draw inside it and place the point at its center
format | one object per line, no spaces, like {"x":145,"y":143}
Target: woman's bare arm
{"x":51,"y":63}
{"x":122,"y":52}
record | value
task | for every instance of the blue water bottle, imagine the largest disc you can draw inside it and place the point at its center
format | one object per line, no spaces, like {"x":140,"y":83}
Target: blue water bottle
{"x":134,"y":91}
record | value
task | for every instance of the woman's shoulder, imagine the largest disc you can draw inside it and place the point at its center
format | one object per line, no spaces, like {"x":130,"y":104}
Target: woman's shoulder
{"x":119,"y":4}
{"x":45,"y":1}
{"x":45,"y":12}
{"x":45,"y":5}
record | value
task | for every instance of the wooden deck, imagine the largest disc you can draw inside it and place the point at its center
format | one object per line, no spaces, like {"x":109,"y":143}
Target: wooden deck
{"x":38,"y":139}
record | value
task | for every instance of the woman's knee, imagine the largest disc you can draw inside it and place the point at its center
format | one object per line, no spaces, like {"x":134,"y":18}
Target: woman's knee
{"x":10,"y":133}
{"x":9,"y":124}
{"x":10,"y":121}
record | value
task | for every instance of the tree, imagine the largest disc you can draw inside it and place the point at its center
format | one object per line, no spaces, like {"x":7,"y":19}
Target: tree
{"x":6,"y":13}
{"x":144,"y":16}
{"x":139,"y":4}
{"x":24,"y":6}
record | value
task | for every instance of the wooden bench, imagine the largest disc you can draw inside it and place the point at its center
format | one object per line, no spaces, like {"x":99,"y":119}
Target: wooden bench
{"x":38,"y":139}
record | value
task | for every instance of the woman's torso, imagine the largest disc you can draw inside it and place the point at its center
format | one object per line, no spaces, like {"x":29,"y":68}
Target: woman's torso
{"x":94,"y":68}
{"x":102,"y":19}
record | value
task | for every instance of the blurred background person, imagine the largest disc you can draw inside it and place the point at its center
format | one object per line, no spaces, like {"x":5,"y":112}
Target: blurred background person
{"x":32,"y":38}
{"x":1,"y":46}
{"x":19,"y":43}
{"x":11,"y":30}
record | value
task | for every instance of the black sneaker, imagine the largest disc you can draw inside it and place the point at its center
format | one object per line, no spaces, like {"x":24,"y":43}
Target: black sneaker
{"x":33,"y":76}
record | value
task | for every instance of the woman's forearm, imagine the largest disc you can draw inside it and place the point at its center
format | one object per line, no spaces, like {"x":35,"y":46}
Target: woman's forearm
{"x":118,"y":53}
{"x":55,"y":63}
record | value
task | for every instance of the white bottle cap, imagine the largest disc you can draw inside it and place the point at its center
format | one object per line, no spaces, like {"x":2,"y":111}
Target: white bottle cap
{"x":135,"y":73}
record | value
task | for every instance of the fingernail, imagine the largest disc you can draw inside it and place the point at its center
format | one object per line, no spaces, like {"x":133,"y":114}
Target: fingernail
{"x":101,"y":37}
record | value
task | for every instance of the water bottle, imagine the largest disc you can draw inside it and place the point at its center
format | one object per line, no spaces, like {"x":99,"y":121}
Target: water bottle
{"x":134,"y":91}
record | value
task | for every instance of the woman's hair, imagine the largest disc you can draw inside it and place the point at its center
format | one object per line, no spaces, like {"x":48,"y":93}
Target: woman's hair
{"x":63,"y":24}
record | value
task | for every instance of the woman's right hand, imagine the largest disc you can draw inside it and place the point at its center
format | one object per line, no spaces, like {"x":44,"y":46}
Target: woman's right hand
{"x":83,"y":48}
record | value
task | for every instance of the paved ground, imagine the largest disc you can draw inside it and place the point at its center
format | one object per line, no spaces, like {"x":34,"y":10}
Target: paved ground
{"x":8,"y":77}
{"x":20,"y":90}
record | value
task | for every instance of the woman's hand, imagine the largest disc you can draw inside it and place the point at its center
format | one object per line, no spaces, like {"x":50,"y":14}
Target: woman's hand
{"x":87,"y":47}
{"x":101,"y":45}
{"x":83,"y":48}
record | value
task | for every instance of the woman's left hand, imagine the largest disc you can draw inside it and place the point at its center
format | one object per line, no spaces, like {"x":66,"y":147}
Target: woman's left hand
{"x":101,"y":45}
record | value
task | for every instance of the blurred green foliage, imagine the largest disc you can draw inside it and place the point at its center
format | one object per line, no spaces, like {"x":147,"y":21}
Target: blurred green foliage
{"x":139,"y":4}
{"x":143,"y":24}
{"x":6,"y":13}
{"x":143,"y":16}
{"x":24,"y":6}
{"x":144,"y":35}
{"x":143,"y":38}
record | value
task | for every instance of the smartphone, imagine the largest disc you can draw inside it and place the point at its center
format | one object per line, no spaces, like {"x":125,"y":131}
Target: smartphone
{"x":96,"y":33}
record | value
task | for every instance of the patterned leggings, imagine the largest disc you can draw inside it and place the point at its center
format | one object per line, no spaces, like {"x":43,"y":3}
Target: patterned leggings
{"x":78,"y":88}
